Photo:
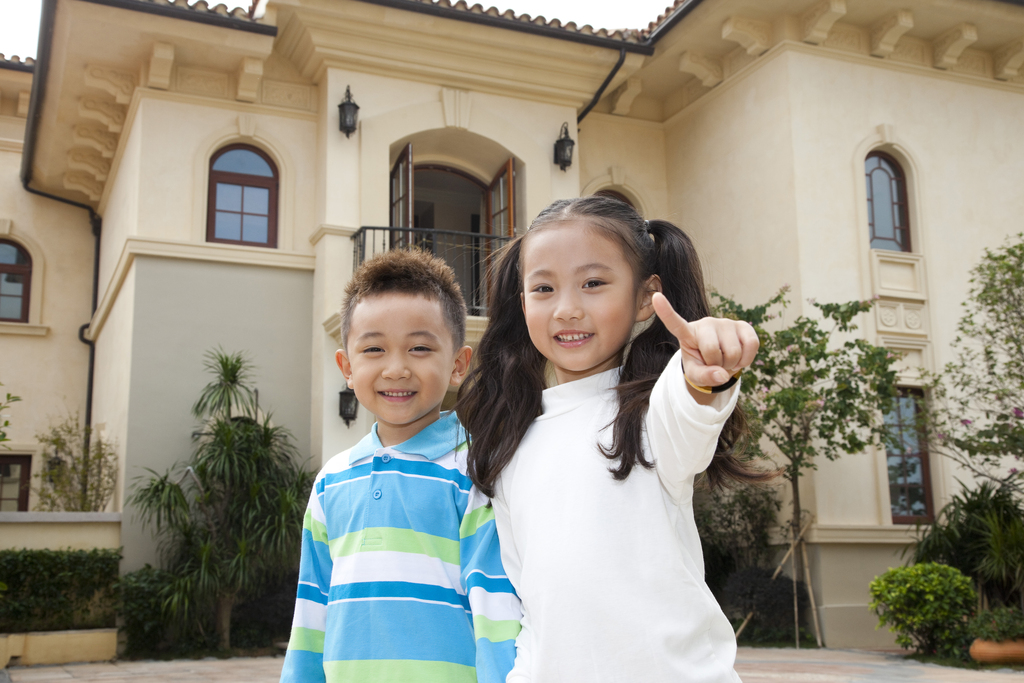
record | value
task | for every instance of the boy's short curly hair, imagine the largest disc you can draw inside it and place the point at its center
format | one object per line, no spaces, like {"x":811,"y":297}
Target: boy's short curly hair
{"x":407,"y":271}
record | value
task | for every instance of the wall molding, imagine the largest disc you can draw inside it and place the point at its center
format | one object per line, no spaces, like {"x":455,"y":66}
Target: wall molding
{"x":207,"y":251}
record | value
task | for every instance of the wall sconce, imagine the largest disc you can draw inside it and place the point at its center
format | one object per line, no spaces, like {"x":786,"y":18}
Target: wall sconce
{"x":563,"y":148}
{"x":348,"y":406}
{"x":348,"y":113}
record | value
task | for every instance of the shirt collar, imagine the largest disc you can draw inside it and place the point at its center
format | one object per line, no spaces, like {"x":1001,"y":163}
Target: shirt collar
{"x":436,"y":439}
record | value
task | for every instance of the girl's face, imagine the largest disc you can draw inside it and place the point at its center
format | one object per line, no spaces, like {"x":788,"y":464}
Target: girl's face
{"x":580,"y":299}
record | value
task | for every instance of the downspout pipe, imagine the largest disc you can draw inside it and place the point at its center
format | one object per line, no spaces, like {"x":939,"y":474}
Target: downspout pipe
{"x":35,"y":111}
{"x":600,"y":91}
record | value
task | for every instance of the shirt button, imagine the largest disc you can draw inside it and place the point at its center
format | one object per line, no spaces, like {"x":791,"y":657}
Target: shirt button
{"x":376,"y":494}
{"x":386,"y":458}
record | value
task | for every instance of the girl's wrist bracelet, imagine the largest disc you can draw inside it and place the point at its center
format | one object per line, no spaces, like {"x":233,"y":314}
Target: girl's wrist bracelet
{"x":715,"y":390}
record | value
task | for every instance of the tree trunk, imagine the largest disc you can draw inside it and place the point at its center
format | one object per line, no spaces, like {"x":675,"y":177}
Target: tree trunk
{"x":225,"y":603}
{"x":795,"y":483}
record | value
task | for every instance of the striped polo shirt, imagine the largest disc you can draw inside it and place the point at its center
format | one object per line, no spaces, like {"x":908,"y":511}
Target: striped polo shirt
{"x":400,"y":577}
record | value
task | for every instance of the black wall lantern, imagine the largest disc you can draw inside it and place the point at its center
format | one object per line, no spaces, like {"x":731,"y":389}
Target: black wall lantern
{"x":348,"y":405}
{"x":563,"y":148}
{"x":348,"y":113}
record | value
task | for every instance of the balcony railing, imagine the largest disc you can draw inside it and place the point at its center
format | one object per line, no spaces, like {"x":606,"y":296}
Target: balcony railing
{"x":468,"y":254}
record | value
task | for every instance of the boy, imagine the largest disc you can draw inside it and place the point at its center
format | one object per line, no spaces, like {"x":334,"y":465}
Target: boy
{"x":401,"y":577}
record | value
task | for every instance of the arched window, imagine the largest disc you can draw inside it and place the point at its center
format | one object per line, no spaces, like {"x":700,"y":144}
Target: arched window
{"x":15,"y":282}
{"x":887,"y":203}
{"x":242,"y":198}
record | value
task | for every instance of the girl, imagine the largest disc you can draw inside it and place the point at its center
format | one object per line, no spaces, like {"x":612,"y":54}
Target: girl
{"x":592,"y":479}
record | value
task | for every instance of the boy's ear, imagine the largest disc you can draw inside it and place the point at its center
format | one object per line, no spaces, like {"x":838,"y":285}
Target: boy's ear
{"x":646,"y":308}
{"x":343,"y":363}
{"x":461,"y":369}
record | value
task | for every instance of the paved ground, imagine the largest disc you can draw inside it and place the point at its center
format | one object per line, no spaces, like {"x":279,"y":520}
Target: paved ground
{"x":754,"y":666}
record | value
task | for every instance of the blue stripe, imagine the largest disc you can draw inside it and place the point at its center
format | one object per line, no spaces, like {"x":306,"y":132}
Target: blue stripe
{"x":481,"y":550}
{"x":344,"y":475}
{"x":311,"y":593}
{"x":398,"y":589}
{"x":492,"y":660}
{"x":301,"y":666}
{"x":491,"y":585}
{"x":429,"y":506}
{"x":315,"y":563}
{"x":399,"y":630}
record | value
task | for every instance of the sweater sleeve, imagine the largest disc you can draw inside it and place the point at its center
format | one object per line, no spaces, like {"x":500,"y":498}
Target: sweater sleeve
{"x":495,"y":606}
{"x":683,"y":434}
{"x":304,"y":660}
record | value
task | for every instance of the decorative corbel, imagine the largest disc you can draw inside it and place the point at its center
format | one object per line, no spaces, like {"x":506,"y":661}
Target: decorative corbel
{"x":950,"y":45}
{"x":707,"y":69}
{"x":5,"y":226}
{"x":627,"y":93}
{"x":247,"y":125}
{"x":80,"y":159}
{"x":250,"y":72}
{"x":24,"y":97}
{"x":98,"y":139}
{"x":118,"y":83}
{"x":1008,"y":60}
{"x":754,"y":35}
{"x":83,"y":182}
{"x":886,"y":33}
{"x":161,"y":64}
{"x":817,"y":21}
{"x":457,"y":106}
{"x":109,"y":114}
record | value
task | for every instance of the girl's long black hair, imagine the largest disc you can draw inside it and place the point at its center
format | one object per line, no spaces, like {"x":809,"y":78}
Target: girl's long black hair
{"x":502,"y":394}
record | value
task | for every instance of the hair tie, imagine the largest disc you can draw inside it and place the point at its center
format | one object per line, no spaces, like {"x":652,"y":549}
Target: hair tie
{"x":647,"y":227}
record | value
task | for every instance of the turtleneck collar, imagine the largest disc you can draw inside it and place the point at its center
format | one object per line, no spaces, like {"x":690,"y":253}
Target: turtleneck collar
{"x":565,"y":397}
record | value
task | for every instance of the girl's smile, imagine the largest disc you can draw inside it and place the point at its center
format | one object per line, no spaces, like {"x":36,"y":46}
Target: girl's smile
{"x":579,"y":298}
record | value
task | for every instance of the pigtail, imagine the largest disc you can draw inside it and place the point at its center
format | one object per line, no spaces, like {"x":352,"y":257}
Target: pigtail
{"x":502,"y":394}
{"x":675,"y":259}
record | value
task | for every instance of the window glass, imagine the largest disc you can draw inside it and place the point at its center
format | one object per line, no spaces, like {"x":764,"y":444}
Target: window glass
{"x":243,"y":161}
{"x":907,"y":459}
{"x":10,"y":254}
{"x":887,"y":203}
{"x":15,"y":279}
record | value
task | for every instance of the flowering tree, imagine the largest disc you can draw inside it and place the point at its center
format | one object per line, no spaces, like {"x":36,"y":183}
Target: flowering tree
{"x":976,"y":412}
{"x":815,"y":395}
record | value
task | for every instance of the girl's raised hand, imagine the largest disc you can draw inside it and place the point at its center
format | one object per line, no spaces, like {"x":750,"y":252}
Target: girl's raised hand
{"x":713,"y":349}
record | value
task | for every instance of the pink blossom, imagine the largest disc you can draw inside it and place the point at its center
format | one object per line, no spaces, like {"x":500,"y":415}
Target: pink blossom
{"x":1018,"y":413}
{"x":966,"y":423}
{"x":1013,"y":470}
{"x":812,"y":301}
{"x":942,"y":437}
{"x":758,"y":362}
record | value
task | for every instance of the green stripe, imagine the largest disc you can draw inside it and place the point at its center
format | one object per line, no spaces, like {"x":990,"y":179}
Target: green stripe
{"x":308,"y":639}
{"x":398,"y":671}
{"x":318,"y":529}
{"x":475,"y":519}
{"x":462,"y":447}
{"x":495,"y":631}
{"x":396,"y":540}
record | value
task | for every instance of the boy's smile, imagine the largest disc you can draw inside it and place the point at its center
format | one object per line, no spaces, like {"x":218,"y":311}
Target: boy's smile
{"x":400,"y":360}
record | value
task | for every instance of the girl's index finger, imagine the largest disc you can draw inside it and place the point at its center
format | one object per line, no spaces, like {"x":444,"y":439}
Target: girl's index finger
{"x":675,"y":323}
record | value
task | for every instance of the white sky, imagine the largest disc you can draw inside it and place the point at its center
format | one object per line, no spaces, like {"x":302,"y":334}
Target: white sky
{"x":19,"y":19}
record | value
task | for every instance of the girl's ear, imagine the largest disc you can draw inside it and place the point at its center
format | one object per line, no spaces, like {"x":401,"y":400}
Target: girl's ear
{"x":461,"y":368}
{"x":344,"y":365}
{"x":645,"y":309}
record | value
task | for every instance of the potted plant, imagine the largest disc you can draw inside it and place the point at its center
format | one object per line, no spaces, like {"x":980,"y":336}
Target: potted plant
{"x":998,"y":636}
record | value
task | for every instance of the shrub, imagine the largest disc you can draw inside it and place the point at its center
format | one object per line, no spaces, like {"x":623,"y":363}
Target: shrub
{"x":80,"y":470}
{"x":142,"y":596}
{"x":55,"y":590}
{"x":266,"y":619}
{"x":926,"y":606}
{"x":752,"y":590}
{"x":1002,"y":623}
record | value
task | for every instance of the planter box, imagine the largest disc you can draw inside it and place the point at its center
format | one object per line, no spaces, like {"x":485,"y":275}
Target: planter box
{"x":1002,"y":652}
{"x":59,"y":647}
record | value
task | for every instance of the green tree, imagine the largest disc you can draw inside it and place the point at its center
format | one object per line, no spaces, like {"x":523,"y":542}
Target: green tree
{"x":80,"y":471}
{"x":975,"y":413}
{"x":230,"y":519}
{"x":814,"y":394}
{"x":4,"y":423}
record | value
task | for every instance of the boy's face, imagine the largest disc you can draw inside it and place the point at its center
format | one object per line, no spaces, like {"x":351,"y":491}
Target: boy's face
{"x":400,"y":359}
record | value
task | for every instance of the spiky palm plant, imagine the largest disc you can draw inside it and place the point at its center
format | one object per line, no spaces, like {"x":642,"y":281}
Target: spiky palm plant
{"x":230,"y":519}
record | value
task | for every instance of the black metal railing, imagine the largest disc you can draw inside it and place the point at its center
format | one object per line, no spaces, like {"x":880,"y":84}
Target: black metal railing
{"x":468,"y":253}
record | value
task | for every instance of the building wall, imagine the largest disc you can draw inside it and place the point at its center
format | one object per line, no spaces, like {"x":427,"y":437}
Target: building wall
{"x":183,"y":310}
{"x":43,"y":361}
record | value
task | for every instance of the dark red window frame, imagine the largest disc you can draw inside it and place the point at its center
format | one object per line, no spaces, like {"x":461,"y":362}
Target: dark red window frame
{"x":22,"y":269}
{"x":897,"y":179}
{"x":244,"y":180}
{"x":23,"y":480}
{"x":899,"y":463}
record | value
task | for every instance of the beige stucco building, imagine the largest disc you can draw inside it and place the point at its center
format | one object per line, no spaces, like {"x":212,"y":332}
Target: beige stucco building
{"x":174,"y":178}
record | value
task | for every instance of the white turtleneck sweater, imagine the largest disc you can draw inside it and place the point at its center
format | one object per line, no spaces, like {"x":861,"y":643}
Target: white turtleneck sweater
{"x":610,"y":572}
